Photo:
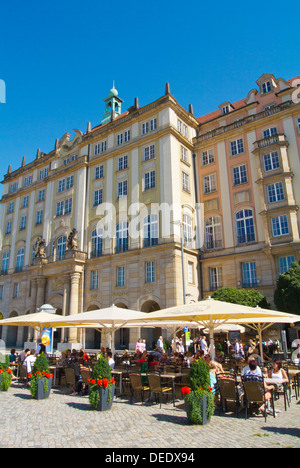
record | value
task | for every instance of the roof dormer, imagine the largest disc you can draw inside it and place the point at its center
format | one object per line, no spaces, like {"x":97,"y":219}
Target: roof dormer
{"x":267,"y":84}
{"x":225,"y":108}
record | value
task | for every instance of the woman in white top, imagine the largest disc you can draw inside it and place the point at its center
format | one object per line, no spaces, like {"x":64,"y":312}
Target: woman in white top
{"x":277,"y":372}
{"x":29,"y":361}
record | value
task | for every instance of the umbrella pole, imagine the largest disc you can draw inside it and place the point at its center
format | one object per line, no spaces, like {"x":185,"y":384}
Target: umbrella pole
{"x":212,"y":343}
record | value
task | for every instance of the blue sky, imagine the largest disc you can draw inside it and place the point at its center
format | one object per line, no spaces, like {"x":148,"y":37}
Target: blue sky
{"x":59,"y":60}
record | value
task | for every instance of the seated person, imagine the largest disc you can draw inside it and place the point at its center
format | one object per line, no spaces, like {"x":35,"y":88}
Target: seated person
{"x":252,"y":368}
{"x":111,"y":362}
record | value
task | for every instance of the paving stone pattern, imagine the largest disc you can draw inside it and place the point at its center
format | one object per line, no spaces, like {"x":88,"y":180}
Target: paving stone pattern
{"x":67,"y":421}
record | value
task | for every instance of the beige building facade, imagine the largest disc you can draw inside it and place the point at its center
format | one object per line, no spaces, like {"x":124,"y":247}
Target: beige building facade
{"x":100,"y":219}
{"x":97,"y":221}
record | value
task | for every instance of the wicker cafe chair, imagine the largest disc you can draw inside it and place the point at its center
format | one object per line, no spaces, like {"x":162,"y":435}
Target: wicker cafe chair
{"x":158,"y":388}
{"x":70,"y":377}
{"x":254,"y":389}
{"x":229,"y":390}
{"x":23,"y":376}
{"x":137,"y":385}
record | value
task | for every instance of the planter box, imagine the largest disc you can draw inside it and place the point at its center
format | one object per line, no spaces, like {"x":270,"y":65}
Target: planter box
{"x":104,"y":404}
{"x":40,"y":394}
{"x":203,"y":411}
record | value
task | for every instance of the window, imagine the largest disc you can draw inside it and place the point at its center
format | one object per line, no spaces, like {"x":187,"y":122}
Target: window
{"x":11,"y":207}
{"x":70,"y":159}
{"x":60,"y":208}
{"x":275,"y":192}
{"x":96,"y":149}
{"x":285,"y":263}
{"x":184,"y":154}
{"x":280,"y":226}
{"x":23,"y":223}
{"x":120,"y":139}
{"x":122,"y":189}
{"x":150,"y":230}
{"x":150,"y":272}
{"x":5,"y":263}
{"x":68,"y":206}
{"x":122,"y":163}
{"x":20,"y":260}
{"x":153,"y":125}
{"x":41,"y":195}
{"x":298,"y":125}
{"x":245,"y":227}
{"x":270,"y":132}
{"x":16,"y":291}
{"x":27,"y":181}
{"x":271,"y":161}
{"x":97,"y":243}
{"x":207,"y":157}
{"x":145,"y":128}
{"x":94,"y":279}
{"x":215,"y":278}
{"x":122,"y":237}
{"x":98,"y":197}
{"x":209,"y":183}
{"x":39,"y":217}
{"x":249,"y":275}
{"x":127,"y":136}
{"x":149,"y":152}
{"x":213,"y":233}
{"x":69,"y":182}
{"x":61,"y":247}
{"x":149,"y":180}
{"x":225,"y":110}
{"x":25,"y":202}
{"x":1,"y":292}
{"x":8,"y":227}
{"x":120,"y":277}
{"x":61,"y":185}
{"x":240,"y":175}
{"x":99,"y":172}
{"x":187,"y":230}
{"x":266,"y":87}
{"x":237,"y":147}
{"x":190,"y":273}
{"x":43,"y":173}
{"x":185,"y":182}
{"x":13,"y":187}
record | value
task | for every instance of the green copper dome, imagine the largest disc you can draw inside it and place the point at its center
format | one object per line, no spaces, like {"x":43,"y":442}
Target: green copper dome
{"x":113,"y":92}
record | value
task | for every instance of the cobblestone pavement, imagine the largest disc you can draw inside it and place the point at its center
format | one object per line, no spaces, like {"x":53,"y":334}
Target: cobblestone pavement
{"x":68,"y":421}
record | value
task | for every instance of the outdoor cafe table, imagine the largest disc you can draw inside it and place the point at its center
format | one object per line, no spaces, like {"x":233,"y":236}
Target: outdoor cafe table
{"x":120,"y":374}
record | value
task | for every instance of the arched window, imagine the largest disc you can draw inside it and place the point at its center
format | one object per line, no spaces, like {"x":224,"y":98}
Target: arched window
{"x":122,"y":237}
{"x":245,"y":227}
{"x":20,"y":259}
{"x":150,"y":230}
{"x":5,"y":263}
{"x":97,"y":243}
{"x":61,"y":247}
{"x":213,"y":233}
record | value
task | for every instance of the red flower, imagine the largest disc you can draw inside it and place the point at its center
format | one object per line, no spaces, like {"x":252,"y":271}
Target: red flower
{"x":88,"y":380}
{"x":9,"y":371}
{"x":112,"y":381}
{"x":185,"y":390}
{"x":210,"y":389}
{"x":105,"y":383}
{"x":1,"y":370}
{"x":99,"y":383}
{"x":93,"y":381}
{"x":29,"y":376}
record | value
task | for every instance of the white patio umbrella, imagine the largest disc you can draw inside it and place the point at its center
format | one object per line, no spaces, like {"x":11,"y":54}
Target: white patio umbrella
{"x":39,"y":321}
{"x":211,"y":314}
{"x":111,"y":319}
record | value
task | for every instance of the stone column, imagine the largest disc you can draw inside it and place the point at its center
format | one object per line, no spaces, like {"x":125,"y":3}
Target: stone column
{"x":32,"y":306}
{"x":40,"y":297}
{"x":74,"y":301}
{"x":66,"y":299}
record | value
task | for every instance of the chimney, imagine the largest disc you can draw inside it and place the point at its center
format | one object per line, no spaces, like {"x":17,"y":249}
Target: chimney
{"x":136,"y":103}
{"x":89,"y":128}
{"x":167,"y":89}
{"x":191,"y":110}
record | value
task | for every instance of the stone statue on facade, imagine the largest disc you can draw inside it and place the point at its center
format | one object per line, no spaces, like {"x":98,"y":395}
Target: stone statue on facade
{"x":40,"y":248}
{"x":73,"y":240}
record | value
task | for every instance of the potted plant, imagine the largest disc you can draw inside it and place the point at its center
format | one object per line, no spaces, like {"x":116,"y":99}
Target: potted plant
{"x":5,"y":375}
{"x":102,"y":386}
{"x":41,"y":378}
{"x":199,"y":399}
